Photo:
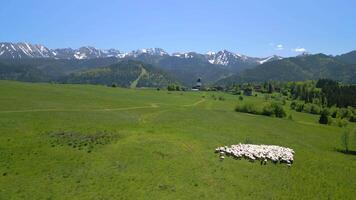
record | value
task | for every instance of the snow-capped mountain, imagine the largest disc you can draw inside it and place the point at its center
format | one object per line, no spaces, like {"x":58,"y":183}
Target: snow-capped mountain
{"x":186,"y":55}
{"x":227,"y":59}
{"x":24,"y":50}
{"x":149,"y":51}
{"x":86,"y":53}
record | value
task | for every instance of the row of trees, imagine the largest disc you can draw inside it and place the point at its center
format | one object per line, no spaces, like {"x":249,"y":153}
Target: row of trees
{"x":272,"y":109}
{"x":336,"y":94}
{"x":323,"y":92}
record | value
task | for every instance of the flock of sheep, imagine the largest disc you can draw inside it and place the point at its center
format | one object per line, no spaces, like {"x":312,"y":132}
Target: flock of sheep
{"x":258,"y":152}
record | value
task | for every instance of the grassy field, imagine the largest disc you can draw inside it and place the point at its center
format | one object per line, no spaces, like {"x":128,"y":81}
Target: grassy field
{"x":161,"y":146}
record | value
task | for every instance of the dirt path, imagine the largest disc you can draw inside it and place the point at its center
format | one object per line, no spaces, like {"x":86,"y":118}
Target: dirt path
{"x":195,"y":104}
{"x":143,"y":72}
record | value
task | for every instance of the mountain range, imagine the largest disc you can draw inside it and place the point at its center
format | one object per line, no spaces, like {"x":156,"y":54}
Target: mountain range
{"x":30,"y":62}
{"x":300,"y":68}
{"x":25,"y":50}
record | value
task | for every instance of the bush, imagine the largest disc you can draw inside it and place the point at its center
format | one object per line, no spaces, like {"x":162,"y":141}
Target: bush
{"x":334,"y":112}
{"x":345,"y":138}
{"x":268,"y":110}
{"x":345,"y":113}
{"x":311,"y":108}
{"x":340,"y":122}
{"x":324,"y":117}
{"x":274,"y":109}
{"x":278,"y":110}
{"x":352,"y":118}
{"x":299,"y":107}
{"x":307,"y":108}
{"x":241,"y":98}
{"x":246,"y":108}
{"x":293,"y":105}
{"x":221,"y":98}
{"x":290,"y":117}
{"x":173,"y":87}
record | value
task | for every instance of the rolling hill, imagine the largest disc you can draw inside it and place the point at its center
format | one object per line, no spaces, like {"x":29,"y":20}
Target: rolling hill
{"x":305,"y":67}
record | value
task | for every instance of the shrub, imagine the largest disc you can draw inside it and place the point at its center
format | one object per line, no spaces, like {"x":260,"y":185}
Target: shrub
{"x":246,"y":108}
{"x":334,"y":112}
{"x":299,"y":107}
{"x":268,"y":110}
{"x":352,"y":118}
{"x":293,"y":105}
{"x":241,"y":98}
{"x":340,"y":122}
{"x":324,"y":117}
{"x":307,"y":108}
{"x":345,"y":113}
{"x":311,"y":108}
{"x":274,"y":109}
{"x":345,"y":138}
{"x":290,"y":117}
{"x":177,"y":88}
{"x":278,"y":110}
{"x":221,"y":98}
{"x":173,"y":87}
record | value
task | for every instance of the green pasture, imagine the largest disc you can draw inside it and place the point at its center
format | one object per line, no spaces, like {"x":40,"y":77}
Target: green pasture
{"x":163,"y":147}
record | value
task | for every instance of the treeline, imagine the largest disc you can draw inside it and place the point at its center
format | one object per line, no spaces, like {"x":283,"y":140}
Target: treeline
{"x":336,"y":94}
{"x":271,"y":109}
{"x":323,"y":92}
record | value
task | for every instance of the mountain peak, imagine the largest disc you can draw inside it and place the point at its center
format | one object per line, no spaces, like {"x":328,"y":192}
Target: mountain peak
{"x":223,"y":57}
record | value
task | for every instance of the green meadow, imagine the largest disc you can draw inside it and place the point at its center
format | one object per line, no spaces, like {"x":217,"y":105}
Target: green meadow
{"x":96,"y":142}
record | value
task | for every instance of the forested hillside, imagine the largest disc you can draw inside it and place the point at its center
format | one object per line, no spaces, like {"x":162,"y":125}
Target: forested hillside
{"x":124,"y":74}
{"x":300,"y":68}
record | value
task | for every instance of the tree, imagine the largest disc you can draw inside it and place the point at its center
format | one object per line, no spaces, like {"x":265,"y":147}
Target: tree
{"x":324,"y":117}
{"x":177,"y":88}
{"x":345,"y":138}
{"x":270,"y":88}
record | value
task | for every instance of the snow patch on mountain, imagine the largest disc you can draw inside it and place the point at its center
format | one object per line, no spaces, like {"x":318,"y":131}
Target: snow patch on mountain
{"x":270,"y":58}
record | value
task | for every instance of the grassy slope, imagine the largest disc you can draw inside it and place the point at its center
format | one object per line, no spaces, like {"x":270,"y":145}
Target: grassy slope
{"x":165,"y":149}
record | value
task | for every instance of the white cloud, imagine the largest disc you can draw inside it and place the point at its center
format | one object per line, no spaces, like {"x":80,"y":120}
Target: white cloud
{"x":279,"y":47}
{"x":299,"y":50}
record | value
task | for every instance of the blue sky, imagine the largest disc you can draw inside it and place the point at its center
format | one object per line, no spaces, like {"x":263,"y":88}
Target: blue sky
{"x":255,"y":28}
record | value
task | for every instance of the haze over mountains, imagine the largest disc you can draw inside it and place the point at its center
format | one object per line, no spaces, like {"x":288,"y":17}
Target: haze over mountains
{"x":29,"y":62}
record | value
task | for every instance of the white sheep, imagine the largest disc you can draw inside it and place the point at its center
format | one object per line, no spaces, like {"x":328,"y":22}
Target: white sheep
{"x":260,"y":152}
